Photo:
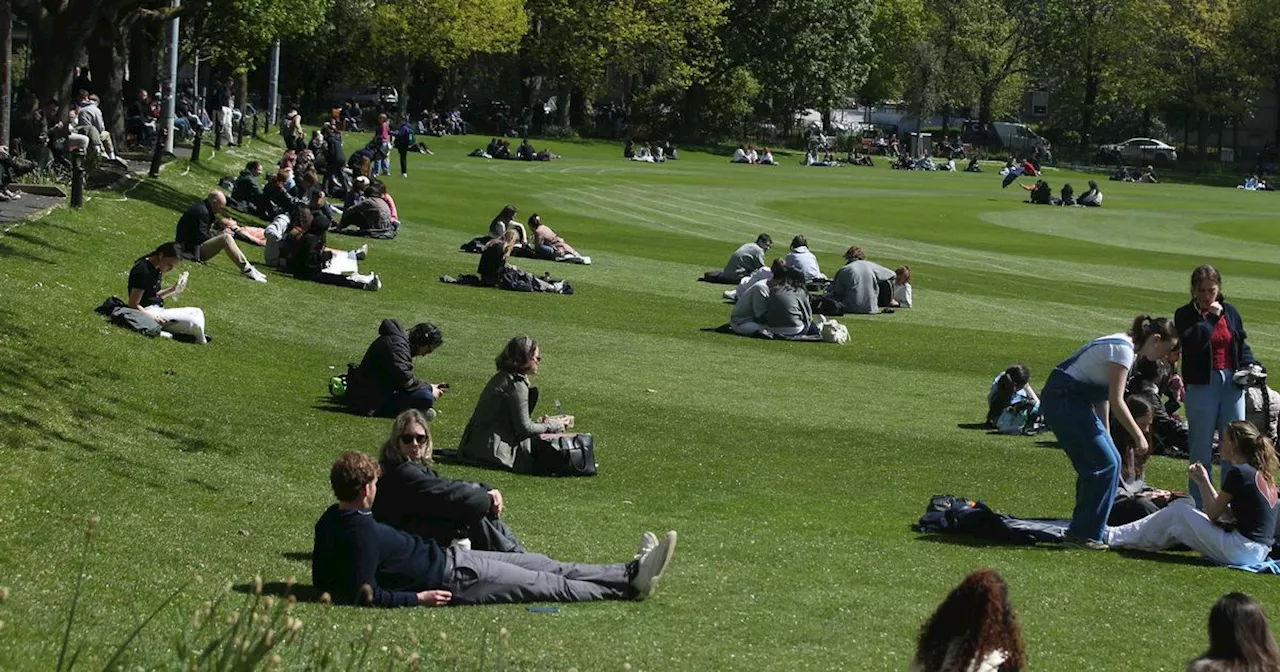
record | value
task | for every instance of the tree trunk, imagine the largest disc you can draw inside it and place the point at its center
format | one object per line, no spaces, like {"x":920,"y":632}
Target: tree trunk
{"x":1087,"y":109}
{"x":1276,"y":91}
{"x":986,"y":98}
{"x":6,"y":68}
{"x":563,"y":104}
{"x":108,"y":52}
{"x":56,"y":44}
{"x":406,"y":80}
{"x":946,"y":120}
{"x":242,"y":90}
{"x":142,"y":53}
{"x":1202,"y":136}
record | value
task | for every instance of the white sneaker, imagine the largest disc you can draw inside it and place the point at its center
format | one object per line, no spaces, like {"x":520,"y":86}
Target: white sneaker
{"x":360,"y":252}
{"x":254,"y":274}
{"x":404,"y":174}
{"x":652,"y":564}
{"x":374,"y":285}
{"x":586,"y":261}
{"x":647,"y":543}
{"x":731,"y":295}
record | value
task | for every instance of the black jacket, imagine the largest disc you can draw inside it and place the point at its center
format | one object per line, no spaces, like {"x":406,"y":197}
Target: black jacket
{"x":414,"y":498}
{"x":309,"y":258}
{"x":1195,"y":331}
{"x":387,"y":369}
{"x":194,"y":229}
{"x":246,"y":189}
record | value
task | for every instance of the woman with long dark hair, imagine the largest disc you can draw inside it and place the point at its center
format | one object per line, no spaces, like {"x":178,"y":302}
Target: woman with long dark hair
{"x":1240,"y":638}
{"x":1213,"y":348}
{"x":1081,"y":396}
{"x":1013,"y":385}
{"x":974,"y":630}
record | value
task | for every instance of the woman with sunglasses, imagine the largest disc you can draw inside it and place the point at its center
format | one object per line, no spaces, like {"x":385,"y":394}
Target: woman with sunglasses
{"x":414,"y":498}
{"x":500,"y":432}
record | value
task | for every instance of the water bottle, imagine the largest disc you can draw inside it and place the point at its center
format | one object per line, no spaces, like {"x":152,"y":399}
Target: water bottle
{"x":558,"y":407}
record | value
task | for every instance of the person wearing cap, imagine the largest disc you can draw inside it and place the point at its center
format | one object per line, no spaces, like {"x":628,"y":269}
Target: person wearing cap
{"x":384,"y":383}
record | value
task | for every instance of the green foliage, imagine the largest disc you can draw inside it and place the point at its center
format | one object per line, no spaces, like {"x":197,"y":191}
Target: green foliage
{"x":898,"y":33}
{"x":444,"y":32}
{"x":805,"y":54}
{"x":986,"y":45}
{"x":237,"y":33}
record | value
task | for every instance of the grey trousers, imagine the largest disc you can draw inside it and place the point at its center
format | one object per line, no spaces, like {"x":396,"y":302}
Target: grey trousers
{"x":485,"y":577}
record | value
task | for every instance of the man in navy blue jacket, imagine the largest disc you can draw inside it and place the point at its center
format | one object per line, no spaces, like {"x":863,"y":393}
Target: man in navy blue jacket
{"x":358,"y":560}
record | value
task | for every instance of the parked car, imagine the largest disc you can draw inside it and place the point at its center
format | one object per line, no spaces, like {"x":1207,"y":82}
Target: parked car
{"x":1139,"y":150}
{"x":1010,"y":137}
{"x":373,"y":96}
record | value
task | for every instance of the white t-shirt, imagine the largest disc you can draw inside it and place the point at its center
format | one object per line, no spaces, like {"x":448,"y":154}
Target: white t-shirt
{"x":1093,"y":362}
{"x":902,"y":294}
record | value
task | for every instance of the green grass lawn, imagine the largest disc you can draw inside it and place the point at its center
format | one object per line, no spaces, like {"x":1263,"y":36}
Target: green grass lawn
{"x":792,"y":471}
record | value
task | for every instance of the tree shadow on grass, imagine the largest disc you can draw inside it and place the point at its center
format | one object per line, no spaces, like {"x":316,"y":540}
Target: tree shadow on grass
{"x":193,"y":442}
{"x":161,"y":194}
{"x":8,"y":251}
{"x":1165,"y":557}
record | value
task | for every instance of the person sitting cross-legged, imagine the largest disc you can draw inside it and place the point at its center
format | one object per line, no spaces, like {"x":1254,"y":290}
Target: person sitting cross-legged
{"x":414,"y":498}
{"x":743,"y":262}
{"x":384,"y":383}
{"x":358,"y":560}
{"x":147,"y":295}
{"x":199,"y":243}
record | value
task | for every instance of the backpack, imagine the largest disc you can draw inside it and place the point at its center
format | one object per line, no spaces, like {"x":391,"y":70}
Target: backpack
{"x":1021,"y":417}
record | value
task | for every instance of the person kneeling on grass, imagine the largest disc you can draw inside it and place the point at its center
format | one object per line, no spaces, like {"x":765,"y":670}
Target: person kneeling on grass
{"x":358,"y":560}
{"x":197,"y":241}
{"x":1248,"y":492}
{"x":384,"y":384}
{"x":414,"y":498}
{"x":146,"y":295}
{"x":750,"y":312}
{"x":743,"y":262}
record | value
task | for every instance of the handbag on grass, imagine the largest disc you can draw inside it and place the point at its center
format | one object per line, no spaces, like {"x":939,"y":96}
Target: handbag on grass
{"x":564,"y":455}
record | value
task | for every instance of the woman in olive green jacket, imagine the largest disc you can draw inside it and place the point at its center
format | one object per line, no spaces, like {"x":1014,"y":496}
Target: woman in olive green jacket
{"x":500,"y":432}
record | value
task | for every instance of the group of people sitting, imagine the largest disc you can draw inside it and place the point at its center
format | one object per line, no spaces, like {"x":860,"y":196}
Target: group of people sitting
{"x":905,"y":162}
{"x":782,"y":298}
{"x":1042,"y":194}
{"x":1124,"y":174}
{"x":508,"y":237}
{"x":500,"y":148}
{"x":650,"y":152}
{"x":401,"y":534}
{"x":1255,"y":183}
{"x":748,"y":154}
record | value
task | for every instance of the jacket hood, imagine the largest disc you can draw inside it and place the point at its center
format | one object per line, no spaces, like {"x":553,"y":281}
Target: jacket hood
{"x":391,"y":327}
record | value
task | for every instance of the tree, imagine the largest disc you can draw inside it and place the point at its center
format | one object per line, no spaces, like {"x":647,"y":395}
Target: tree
{"x":59,"y":32}
{"x":987,"y":43}
{"x":804,"y":53}
{"x":443,"y":32}
{"x":897,"y":33}
{"x":1257,"y":34}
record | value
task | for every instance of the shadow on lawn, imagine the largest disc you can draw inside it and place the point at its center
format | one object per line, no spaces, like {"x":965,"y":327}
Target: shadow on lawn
{"x":161,"y":194}
{"x":280,"y":590}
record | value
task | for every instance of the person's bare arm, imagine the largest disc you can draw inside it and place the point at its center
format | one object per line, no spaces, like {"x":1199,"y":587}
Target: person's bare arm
{"x":1115,"y":398}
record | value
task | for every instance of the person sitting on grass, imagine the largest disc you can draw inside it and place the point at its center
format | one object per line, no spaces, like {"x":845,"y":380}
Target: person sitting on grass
{"x":384,"y":383}
{"x":371,"y":216}
{"x":500,"y":433}
{"x":246,"y":193}
{"x":197,"y":241}
{"x":146,"y":295}
{"x":1068,"y":195}
{"x":1135,"y":499}
{"x":788,"y":311}
{"x":751,"y":310}
{"x":552,"y":246}
{"x":743,"y":262}
{"x":311,"y":256}
{"x":1248,"y":493}
{"x":414,"y":498}
{"x":740,"y":155}
{"x":1041,"y":194}
{"x":801,"y":258}
{"x":855,"y":286}
{"x":973,"y":166}
{"x":360,"y":561}
{"x":766,"y":158}
{"x":1149,"y":176}
{"x":1091,"y":198}
{"x":1240,"y":638}
{"x":1010,"y":388}
{"x":902,"y":290}
{"x":974,"y":630}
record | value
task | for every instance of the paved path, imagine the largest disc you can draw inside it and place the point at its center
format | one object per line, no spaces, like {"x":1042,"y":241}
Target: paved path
{"x":28,"y":205}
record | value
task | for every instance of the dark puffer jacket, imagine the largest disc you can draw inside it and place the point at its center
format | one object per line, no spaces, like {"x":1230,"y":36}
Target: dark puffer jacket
{"x":386,"y":370}
{"x":414,"y":498}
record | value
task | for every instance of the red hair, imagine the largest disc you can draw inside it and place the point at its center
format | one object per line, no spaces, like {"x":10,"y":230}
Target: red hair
{"x":975,"y":620}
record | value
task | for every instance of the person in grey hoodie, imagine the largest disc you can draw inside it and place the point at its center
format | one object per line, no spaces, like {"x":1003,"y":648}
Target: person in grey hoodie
{"x":855,"y":285}
{"x":800,"y":257}
{"x":743,"y":262}
{"x":749,"y":316}
{"x":789,"y":312}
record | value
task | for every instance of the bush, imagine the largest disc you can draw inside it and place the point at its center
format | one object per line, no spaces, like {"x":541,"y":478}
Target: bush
{"x":555,"y":132}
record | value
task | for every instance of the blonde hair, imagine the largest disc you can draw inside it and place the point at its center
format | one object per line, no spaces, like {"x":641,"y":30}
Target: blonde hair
{"x":391,"y":451}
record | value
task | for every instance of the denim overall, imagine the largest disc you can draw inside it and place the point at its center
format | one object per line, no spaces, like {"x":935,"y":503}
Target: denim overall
{"x":1068,"y":406}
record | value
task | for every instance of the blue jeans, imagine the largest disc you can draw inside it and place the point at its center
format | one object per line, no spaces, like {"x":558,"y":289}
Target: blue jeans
{"x":421,"y":399}
{"x":1094,"y":456}
{"x":1210,"y":407}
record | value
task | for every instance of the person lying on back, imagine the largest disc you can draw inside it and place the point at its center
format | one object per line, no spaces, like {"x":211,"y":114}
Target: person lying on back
{"x":384,"y":384}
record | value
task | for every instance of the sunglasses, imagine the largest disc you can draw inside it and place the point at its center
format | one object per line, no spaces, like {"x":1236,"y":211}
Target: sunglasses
{"x":415,"y":439}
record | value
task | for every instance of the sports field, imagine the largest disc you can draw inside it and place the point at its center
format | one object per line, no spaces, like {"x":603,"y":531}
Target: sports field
{"x":792,"y":471}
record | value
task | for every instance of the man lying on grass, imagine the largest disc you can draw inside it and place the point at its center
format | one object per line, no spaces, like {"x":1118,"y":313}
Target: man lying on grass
{"x":358,"y":560}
